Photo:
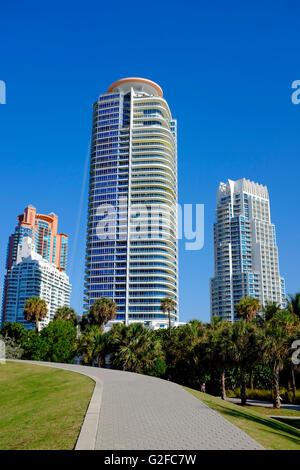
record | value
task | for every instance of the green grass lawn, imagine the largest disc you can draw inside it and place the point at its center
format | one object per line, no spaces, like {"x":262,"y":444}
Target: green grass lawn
{"x":41,"y":407}
{"x":254,"y":421}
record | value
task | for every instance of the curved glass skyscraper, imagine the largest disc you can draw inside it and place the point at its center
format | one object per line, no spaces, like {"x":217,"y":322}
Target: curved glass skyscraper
{"x":131,"y":252}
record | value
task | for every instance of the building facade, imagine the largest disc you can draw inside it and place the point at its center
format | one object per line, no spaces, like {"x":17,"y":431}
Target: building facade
{"x":42,"y":229}
{"x":245,"y":249}
{"x":33,"y":276}
{"x":35,"y":266}
{"x":131,"y":250}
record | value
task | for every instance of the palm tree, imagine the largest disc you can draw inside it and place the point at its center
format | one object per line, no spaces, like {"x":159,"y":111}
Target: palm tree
{"x":66,"y":313}
{"x":294,"y":304}
{"x":102,"y":311}
{"x":271,"y":309}
{"x":92,"y":346}
{"x":35,"y":310}
{"x":294,"y":307}
{"x":245,"y":350}
{"x":168,"y":305}
{"x":185,"y":353}
{"x":247,"y":309}
{"x":134,"y":348}
{"x":279,"y":334}
{"x":218,"y":348}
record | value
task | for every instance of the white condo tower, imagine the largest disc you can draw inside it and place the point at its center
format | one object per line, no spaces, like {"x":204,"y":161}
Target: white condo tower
{"x":133,"y":163}
{"x":245,"y":249}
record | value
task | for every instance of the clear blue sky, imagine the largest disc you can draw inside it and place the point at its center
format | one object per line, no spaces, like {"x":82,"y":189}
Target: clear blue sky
{"x":226,"y":69}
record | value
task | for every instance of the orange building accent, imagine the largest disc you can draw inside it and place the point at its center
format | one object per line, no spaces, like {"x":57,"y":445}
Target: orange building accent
{"x":51,"y":245}
{"x":136,"y":79}
{"x":42,"y":229}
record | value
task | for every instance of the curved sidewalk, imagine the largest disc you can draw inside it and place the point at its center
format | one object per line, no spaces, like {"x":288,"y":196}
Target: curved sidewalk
{"x":130,"y":411}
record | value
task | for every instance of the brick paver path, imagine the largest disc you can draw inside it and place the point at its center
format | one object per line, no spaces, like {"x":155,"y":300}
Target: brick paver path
{"x":141,"y":412}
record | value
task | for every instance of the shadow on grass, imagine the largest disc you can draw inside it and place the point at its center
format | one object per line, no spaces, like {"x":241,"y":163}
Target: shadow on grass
{"x":283,"y":406}
{"x":295,"y":423}
{"x":274,"y":427}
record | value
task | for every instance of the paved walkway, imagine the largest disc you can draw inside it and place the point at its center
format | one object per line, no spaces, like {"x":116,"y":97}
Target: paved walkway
{"x":131,"y":411}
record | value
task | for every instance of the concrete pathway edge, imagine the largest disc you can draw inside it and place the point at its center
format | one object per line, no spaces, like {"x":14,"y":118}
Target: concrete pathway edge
{"x":88,"y":433}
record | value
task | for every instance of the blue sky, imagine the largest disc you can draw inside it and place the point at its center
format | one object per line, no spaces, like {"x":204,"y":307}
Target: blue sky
{"x":226,"y":69}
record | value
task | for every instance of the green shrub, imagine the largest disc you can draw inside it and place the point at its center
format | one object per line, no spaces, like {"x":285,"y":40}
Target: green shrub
{"x":159,"y":368}
{"x":15,"y":331}
{"x":231,"y":393}
{"x":288,"y":397}
{"x":12,"y":350}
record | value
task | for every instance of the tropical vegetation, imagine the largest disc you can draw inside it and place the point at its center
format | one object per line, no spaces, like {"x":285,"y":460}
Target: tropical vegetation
{"x":35,"y":310}
{"x":66,"y":313}
{"x":251,"y":356}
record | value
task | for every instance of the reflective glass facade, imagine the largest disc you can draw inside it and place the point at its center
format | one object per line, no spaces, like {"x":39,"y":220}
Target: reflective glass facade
{"x":133,"y":167}
{"x":246,"y":254}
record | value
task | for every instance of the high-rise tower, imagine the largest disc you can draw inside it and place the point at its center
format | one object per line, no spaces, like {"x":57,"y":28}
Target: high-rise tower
{"x":35,"y":266}
{"x":33,"y":276}
{"x":133,"y":177}
{"x":246,"y":253}
{"x":42,"y":228}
